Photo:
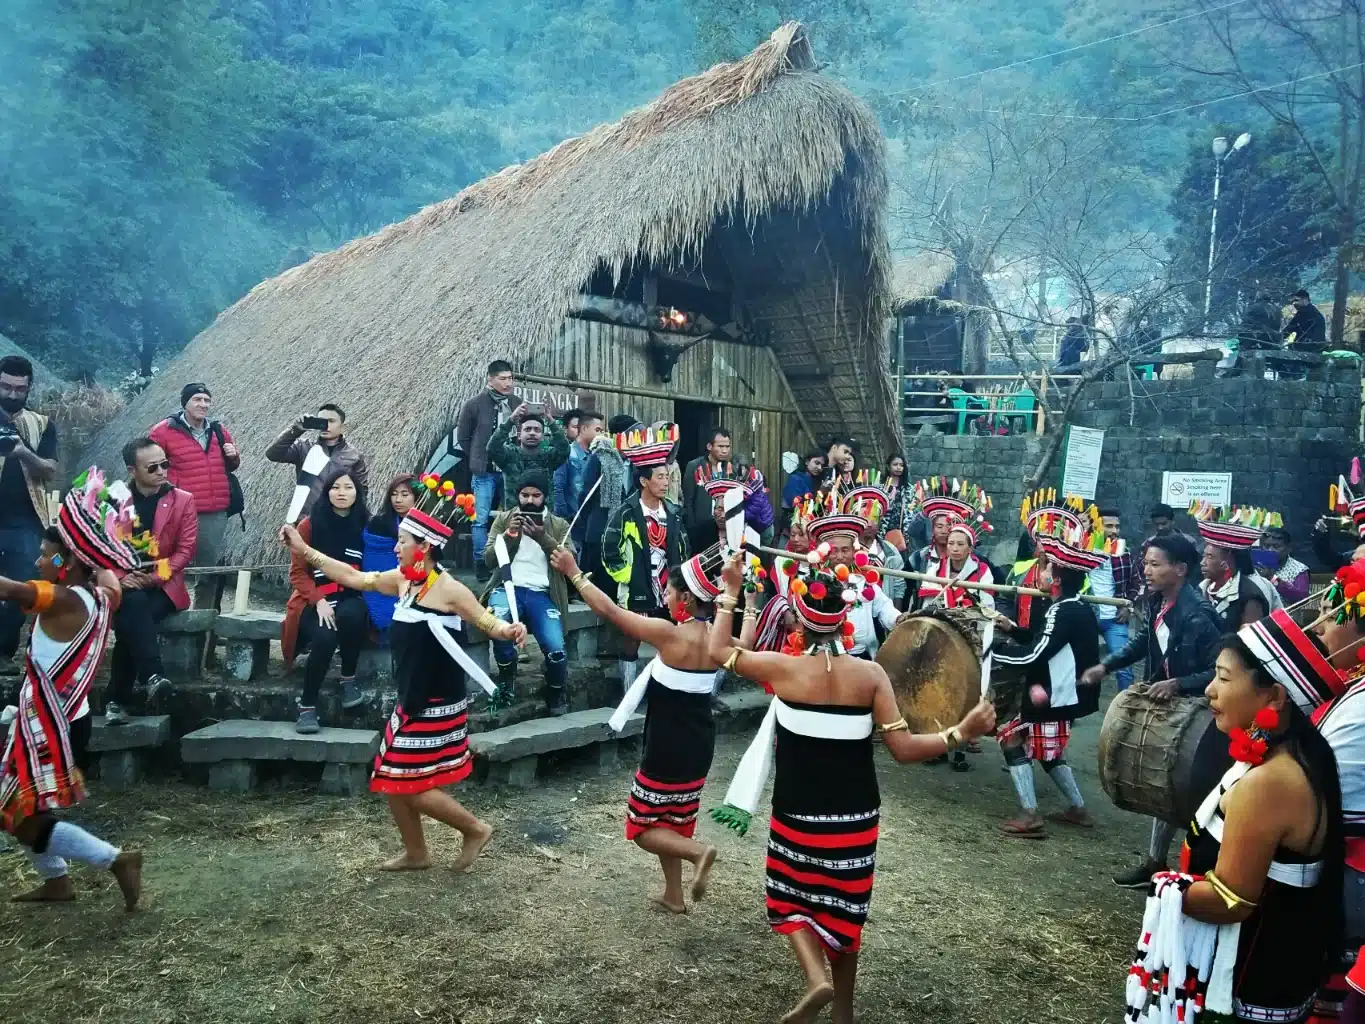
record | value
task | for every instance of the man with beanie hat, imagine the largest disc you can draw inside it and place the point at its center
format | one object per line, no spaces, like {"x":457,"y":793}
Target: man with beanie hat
{"x":202,"y":455}
{"x":518,"y":549}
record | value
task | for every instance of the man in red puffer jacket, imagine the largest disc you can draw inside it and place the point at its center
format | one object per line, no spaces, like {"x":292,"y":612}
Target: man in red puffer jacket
{"x":202,"y":455}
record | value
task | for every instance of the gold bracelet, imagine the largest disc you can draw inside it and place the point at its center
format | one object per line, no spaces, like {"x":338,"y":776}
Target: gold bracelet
{"x":1229,"y":897}
{"x":895,"y":726}
{"x":731,"y":661}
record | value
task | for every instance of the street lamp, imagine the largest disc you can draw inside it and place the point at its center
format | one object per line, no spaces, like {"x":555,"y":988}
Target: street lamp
{"x":1221,"y":151}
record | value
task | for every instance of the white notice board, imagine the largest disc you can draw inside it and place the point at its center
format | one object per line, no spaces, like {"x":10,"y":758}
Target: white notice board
{"x":1178,"y":488}
{"x":1081,"y":468}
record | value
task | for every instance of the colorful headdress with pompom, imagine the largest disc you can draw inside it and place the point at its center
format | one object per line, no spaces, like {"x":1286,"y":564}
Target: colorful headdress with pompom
{"x":1073,"y":535}
{"x":960,"y":500}
{"x":438,"y":511}
{"x":648,"y":446}
{"x":1342,"y":499}
{"x":1234,"y":527}
{"x":97,"y":522}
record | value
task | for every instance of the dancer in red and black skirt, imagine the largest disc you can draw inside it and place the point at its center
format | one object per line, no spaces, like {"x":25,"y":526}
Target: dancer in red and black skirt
{"x":426,"y":742}
{"x":822,"y":840}
{"x":661,"y":813}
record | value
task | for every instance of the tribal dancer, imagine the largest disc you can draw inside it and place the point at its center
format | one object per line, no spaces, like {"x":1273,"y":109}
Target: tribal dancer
{"x":958,"y":509}
{"x":822,"y":843}
{"x":426,"y":745}
{"x":1249,"y":925}
{"x":72,"y":602}
{"x":680,"y":737}
{"x":1231,"y":582}
{"x":1065,"y":642}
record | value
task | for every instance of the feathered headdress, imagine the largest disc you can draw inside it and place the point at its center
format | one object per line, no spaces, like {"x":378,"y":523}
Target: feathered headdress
{"x":97,"y":522}
{"x":438,"y":511}
{"x":1234,"y":527}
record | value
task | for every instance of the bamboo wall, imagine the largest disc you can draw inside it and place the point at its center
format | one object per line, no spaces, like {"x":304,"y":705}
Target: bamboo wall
{"x":709,"y":370}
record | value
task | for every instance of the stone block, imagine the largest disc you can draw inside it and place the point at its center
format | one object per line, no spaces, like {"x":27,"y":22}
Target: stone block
{"x":245,"y":660}
{"x":520,"y":772}
{"x":245,"y":739}
{"x":252,"y":625}
{"x":344,"y":779}
{"x":145,"y":731}
{"x":232,"y":776}
{"x":182,"y":654}
{"x":120,"y":769}
{"x":545,"y":735}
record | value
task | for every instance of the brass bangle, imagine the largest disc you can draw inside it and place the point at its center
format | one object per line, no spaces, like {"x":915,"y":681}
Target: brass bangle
{"x":731,"y":661}
{"x":896,"y":726}
{"x":1229,"y":897}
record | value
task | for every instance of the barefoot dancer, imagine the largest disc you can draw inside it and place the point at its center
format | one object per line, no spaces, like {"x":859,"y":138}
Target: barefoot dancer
{"x":73,"y":602}
{"x":822,"y":843}
{"x":680,"y":737}
{"x":425,"y":743}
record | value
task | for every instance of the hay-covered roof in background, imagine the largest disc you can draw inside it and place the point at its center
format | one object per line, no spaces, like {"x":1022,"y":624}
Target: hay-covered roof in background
{"x":780,"y":168}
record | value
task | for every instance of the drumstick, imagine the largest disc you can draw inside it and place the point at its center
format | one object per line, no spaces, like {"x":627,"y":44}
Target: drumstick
{"x":995,"y":588}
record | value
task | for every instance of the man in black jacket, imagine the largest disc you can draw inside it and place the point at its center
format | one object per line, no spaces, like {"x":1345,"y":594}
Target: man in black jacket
{"x":1179,"y":643}
{"x":1307,"y":329}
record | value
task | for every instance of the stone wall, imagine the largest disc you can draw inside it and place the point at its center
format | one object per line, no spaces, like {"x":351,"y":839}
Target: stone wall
{"x":1283,"y":442}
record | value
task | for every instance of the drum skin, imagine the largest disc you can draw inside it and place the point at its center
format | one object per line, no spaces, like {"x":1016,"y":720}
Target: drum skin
{"x":1160,"y":758}
{"x":934,"y":668}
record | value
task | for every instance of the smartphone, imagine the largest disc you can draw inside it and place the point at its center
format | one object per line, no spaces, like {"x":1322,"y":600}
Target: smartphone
{"x":315,"y":423}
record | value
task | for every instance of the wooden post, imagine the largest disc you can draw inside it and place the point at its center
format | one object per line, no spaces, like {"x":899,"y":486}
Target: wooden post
{"x":241,"y":600}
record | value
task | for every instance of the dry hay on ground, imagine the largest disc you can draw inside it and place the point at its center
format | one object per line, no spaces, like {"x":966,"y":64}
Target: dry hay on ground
{"x":268,"y":909}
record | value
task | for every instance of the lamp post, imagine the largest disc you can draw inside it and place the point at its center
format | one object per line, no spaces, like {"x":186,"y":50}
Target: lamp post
{"x":1221,"y":151}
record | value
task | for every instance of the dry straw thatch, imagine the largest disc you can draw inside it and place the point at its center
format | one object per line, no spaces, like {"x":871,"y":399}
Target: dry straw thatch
{"x":763,"y":166}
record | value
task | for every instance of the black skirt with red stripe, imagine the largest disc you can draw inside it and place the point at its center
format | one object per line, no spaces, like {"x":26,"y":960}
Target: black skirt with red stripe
{"x":680,"y":739}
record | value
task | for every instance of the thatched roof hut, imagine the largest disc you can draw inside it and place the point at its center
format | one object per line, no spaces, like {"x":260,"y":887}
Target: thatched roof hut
{"x":764,"y":163}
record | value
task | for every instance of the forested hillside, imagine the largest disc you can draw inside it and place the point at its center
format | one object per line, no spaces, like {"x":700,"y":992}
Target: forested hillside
{"x":159,"y":157}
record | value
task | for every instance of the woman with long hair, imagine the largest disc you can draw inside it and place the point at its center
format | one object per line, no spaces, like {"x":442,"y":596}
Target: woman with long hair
{"x":378,"y":538}
{"x":72,"y":603}
{"x":426,"y":741}
{"x":822,"y":840}
{"x":322,"y":613}
{"x":1263,"y":858}
{"x":680,"y":737}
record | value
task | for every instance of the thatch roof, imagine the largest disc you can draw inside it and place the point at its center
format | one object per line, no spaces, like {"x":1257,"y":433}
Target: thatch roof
{"x":764,"y":162}
{"x":44,"y":376}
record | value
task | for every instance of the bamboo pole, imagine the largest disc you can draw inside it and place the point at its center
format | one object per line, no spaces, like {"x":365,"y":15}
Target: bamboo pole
{"x":994,"y":588}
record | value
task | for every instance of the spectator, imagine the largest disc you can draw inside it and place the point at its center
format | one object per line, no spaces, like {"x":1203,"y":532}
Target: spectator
{"x":479,"y":418}
{"x":607,"y":465}
{"x":28,"y":464}
{"x":571,"y":477}
{"x":1116,"y":577}
{"x":1074,"y":343}
{"x":539,"y":444}
{"x":291,"y":448}
{"x":1307,"y":328}
{"x":531,"y":532}
{"x":1287,"y":574}
{"x":321,"y":614}
{"x":149,"y":595}
{"x":202,"y":455}
{"x":380,"y":537}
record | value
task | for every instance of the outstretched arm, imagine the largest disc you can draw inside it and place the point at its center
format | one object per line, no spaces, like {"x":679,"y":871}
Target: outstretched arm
{"x":353,"y":579}
{"x":639,"y":627}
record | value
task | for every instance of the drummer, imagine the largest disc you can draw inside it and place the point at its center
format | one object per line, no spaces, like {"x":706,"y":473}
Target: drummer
{"x":1237,"y":592}
{"x":1066,"y":637}
{"x":945,"y":502}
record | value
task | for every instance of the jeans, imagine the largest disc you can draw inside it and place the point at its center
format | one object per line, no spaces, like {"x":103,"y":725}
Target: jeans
{"x":208,"y":551}
{"x":137,"y":652}
{"x":485,"y":504}
{"x":352,"y":627}
{"x":19,"y":549}
{"x":1116,"y":639}
{"x":541,"y":617}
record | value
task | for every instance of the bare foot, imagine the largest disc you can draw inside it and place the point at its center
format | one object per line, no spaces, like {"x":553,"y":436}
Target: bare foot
{"x":703,"y":874}
{"x":815,"y":1000}
{"x":406,"y":862}
{"x":127,"y":869}
{"x":473,"y":846}
{"x":672,"y":908}
{"x":53,"y":890}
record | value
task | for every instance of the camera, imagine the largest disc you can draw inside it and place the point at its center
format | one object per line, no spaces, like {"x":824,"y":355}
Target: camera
{"x":9,"y":439}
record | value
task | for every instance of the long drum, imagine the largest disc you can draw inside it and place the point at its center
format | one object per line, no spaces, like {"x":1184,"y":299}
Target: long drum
{"x":1160,"y":758}
{"x":933,"y":660}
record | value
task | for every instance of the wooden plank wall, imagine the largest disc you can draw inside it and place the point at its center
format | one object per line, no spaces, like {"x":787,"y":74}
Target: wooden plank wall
{"x":739,"y":373}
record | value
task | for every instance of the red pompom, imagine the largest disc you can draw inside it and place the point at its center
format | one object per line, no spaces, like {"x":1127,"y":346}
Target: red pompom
{"x":1267,"y":720}
{"x":817,"y":591}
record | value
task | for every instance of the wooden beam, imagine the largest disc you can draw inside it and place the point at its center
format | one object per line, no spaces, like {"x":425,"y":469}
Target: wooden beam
{"x":787,"y":390}
{"x":671,"y":396}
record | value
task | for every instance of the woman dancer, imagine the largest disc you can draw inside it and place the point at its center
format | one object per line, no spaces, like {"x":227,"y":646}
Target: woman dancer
{"x":680,"y":737}
{"x":72,"y":602}
{"x":822,"y":843}
{"x":425,"y":744}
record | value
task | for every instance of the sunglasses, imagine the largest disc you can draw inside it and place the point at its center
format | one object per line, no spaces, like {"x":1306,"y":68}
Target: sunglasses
{"x":152,"y":467}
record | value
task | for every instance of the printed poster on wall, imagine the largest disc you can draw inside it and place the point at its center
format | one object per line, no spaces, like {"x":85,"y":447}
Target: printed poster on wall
{"x":1081,"y":464}
{"x":1179,"y":488}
